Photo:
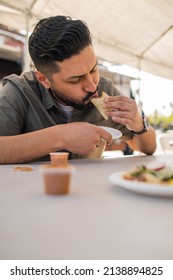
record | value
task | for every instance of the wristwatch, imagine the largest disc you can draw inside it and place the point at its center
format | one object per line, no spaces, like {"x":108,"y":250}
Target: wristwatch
{"x":145,"y":129}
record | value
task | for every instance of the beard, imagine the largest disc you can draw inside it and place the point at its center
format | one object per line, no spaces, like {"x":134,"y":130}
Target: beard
{"x":68,"y":101}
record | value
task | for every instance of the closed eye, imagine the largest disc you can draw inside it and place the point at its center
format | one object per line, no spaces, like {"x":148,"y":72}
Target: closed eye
{"x":75,"y":80}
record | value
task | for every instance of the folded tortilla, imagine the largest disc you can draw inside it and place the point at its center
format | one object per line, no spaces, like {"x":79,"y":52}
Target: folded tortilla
{"x":98,"y":102}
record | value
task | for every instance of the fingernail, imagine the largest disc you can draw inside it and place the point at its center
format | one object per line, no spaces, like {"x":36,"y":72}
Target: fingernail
{"x":109,"y":144}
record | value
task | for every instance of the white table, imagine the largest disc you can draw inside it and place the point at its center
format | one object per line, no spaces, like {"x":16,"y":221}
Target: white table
{"x":95,"y":221}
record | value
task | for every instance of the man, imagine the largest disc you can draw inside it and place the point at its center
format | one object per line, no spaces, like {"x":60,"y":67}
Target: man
{"x":50,"y":110}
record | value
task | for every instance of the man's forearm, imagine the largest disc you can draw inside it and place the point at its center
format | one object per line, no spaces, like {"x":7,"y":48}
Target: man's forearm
{"x":145,"y":143}
{"x":29,"y":146}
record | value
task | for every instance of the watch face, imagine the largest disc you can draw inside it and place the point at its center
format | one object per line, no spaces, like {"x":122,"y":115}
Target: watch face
{"x":145,"y":122}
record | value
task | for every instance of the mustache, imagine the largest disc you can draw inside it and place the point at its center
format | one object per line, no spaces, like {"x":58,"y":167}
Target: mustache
{"x":89,"y":94}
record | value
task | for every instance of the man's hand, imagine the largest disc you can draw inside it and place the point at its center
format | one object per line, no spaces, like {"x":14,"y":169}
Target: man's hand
{"x":124,"y":110}
{"x":81,"y":137}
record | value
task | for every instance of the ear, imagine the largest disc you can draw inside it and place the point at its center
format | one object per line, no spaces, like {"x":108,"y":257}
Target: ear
{"x":42,"y":79}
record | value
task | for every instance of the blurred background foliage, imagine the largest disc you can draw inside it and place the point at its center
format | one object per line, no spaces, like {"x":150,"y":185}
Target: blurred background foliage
{"x":160,"y":121}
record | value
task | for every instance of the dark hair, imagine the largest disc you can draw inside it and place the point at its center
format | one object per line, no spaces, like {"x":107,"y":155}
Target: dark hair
{"x":56,"y":39}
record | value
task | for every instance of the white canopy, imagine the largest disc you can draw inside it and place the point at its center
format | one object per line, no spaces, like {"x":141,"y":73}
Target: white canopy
{"x":138,"y":33}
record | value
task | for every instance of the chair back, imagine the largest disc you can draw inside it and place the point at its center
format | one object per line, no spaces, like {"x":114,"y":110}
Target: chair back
{"x":166,"y":141}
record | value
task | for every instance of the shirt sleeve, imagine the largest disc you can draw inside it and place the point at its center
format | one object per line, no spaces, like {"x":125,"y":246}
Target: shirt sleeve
{"x":12,"y":110}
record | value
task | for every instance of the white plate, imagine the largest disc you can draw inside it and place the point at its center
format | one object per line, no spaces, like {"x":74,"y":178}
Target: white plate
{"x":115,"y":132}
{"x":141,"y":187}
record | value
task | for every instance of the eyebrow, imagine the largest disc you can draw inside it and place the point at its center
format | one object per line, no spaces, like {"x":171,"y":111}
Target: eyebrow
{"x":78,"y":76}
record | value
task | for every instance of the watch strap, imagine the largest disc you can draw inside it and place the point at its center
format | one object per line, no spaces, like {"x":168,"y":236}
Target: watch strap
{"x":145,"y":129}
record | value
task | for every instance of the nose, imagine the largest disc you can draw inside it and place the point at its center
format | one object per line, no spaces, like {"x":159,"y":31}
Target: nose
{"x":89,"y":84}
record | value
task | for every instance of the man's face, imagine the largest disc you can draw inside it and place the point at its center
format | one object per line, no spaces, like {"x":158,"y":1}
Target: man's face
{"x":77,"y":80}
